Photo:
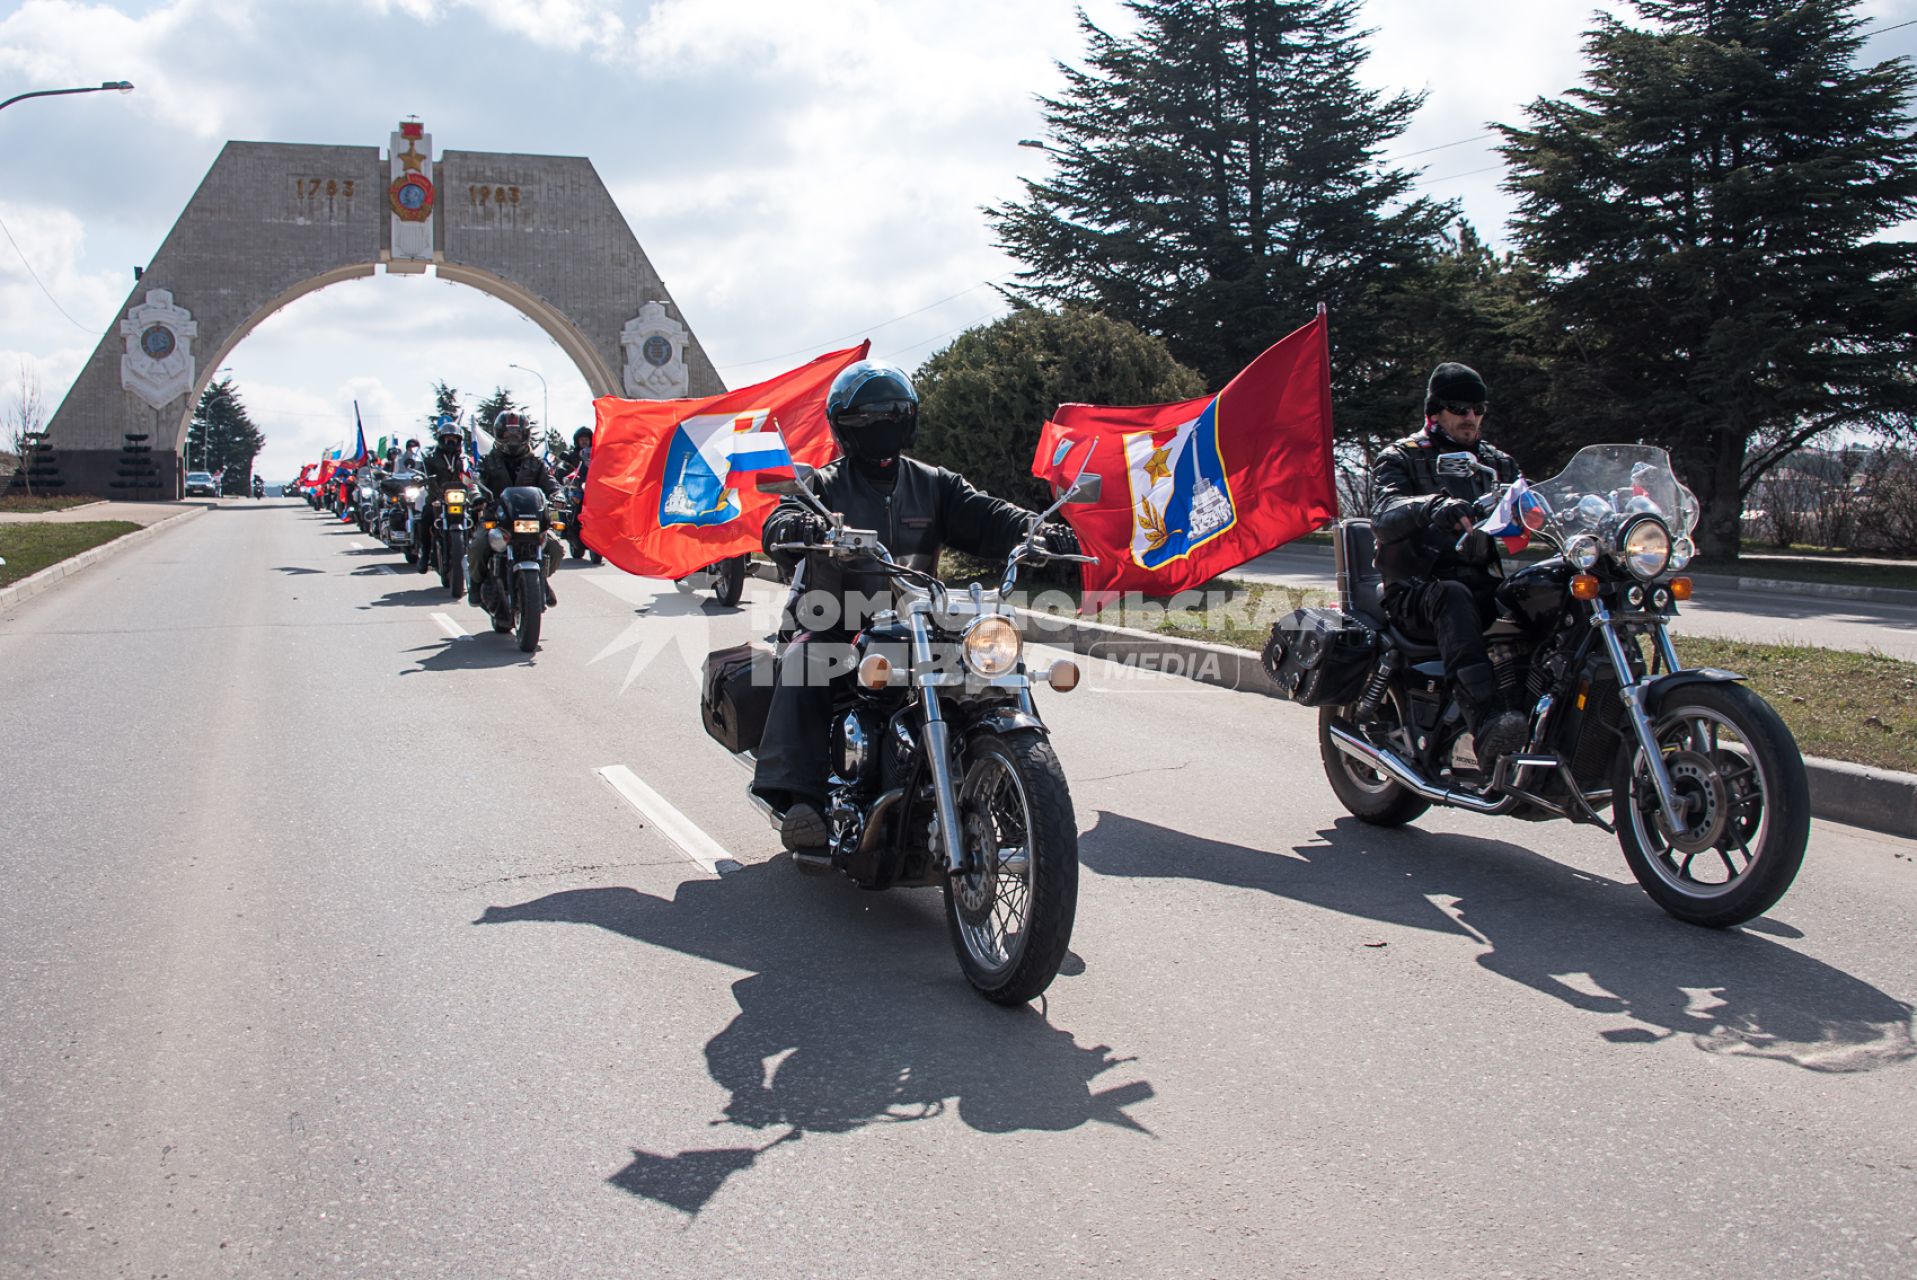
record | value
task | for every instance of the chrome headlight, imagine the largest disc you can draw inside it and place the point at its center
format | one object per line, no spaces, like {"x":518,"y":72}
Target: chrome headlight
{"x":991,"y":645}
{"x":1583,"y":551}
{"x":1645,"y":547}
{"x":1682,"y":552}
{"x":412,"y":493}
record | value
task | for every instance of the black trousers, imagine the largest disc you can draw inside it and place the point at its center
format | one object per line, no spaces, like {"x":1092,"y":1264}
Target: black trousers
{"x":1445,"y":613}
{"x":793,"y":755}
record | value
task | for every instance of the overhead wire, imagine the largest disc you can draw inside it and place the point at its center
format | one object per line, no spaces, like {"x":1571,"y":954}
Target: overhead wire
{"x":36,"y":279}
{"x":860,"y":332}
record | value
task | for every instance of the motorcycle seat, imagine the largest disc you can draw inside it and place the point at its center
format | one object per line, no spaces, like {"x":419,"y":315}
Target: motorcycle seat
{"x":1361,"y":586}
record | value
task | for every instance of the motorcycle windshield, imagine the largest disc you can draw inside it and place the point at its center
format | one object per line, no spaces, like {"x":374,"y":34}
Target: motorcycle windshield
{"x":1604,"y":482}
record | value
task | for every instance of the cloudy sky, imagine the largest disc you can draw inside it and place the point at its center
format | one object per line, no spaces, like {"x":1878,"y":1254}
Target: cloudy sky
{"x":801,"y":172}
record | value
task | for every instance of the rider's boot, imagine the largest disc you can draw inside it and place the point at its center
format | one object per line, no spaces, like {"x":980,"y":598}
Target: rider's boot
{"x":803,"y":831}
{"x":552,"y":600}
{"x":1496,"y":730}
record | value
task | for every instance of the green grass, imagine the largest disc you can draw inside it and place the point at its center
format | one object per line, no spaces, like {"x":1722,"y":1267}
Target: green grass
{"x":23,"y":502}
{"x":30,"y":546}
{"x":1809,"y":569}
{"x":1860,"y":707}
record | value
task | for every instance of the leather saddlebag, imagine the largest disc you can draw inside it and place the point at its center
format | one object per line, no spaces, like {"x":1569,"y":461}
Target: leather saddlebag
{"x":1320,"y":657}
{"x":735,"y":695}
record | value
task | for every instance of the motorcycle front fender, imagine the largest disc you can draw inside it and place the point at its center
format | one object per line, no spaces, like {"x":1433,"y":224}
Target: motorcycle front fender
{"x":1656,"y":690}
{"x":1003,"y":720}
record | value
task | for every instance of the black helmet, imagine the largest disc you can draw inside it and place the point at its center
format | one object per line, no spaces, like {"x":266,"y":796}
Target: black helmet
{"x":583,"y":436}
{"x":449,"y":430}
{"x":514,"y":437}
{"x":873,"y":410}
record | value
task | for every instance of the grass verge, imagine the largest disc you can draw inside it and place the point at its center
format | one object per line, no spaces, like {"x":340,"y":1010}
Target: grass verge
{"x":30,"y":546}
{"x":1860,"y":707}
{"x":1796,"y":568}
{"x":23,"y":502}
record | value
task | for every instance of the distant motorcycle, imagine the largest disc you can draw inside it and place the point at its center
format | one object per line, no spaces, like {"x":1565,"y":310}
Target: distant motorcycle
{"x":575,"y":483}
{"x":259,"y":488}
{"x":943,"y":772}
{"x":512,"y":582}
{"x":1706,"y":789}
{"x":393,"y":525}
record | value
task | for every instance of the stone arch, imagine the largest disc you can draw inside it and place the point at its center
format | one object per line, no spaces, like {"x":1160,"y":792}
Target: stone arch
{"x":273,"y":222}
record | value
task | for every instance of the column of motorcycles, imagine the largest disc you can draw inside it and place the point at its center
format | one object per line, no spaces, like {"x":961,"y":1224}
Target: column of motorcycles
{"x":943,"y":772}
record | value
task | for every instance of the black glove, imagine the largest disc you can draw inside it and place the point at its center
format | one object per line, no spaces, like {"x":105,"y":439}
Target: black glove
{"x":1059,"y":539}
{"x":1447,"y":515}
{"x":806,"y":527}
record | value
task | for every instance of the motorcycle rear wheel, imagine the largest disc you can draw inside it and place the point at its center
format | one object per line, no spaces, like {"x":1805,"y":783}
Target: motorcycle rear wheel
{"x":1731,"y":756}
{"x":411,"y":553}
{"x":728,"y":581}
{"x":532,"y":603}
{"x":1010,"y":917}
{"x":1369,"y":796}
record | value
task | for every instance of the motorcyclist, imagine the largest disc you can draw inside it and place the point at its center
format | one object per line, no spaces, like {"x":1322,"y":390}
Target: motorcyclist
{"x":511,"y":462}
{"x":414,"y":458}
{"x":915,"y":508}
{"x":444,"y":468}
{"x":1436,"y":586}
{"x":579,"y":456}
{"x":259,"y":487}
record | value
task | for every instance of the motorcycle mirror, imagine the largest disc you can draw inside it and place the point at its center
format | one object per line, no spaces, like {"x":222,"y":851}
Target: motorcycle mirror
{"x":1457,"y":465}
{"x":1085,"y":490}
{"x":801,"y":475}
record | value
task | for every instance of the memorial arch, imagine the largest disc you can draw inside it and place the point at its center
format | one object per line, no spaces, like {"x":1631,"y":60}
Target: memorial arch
{"x":272,"y":222}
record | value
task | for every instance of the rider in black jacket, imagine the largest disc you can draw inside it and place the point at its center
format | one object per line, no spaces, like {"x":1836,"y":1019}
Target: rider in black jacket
{"x":1435,"y":588}
{"x":915,"y":508}
{"x":511,"y":462}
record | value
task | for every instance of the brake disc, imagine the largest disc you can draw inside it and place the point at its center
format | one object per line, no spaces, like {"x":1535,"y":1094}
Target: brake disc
{"x":975,"y":891}
{"x":1698,"y":783}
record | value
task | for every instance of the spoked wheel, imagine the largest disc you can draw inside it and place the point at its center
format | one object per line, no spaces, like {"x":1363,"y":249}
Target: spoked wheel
{"x":1737,"y":770}
{"x":728,"y":581}
{"x":532,"y":603}
{"x":1370,"y":796}
{"x":1010,"y":915}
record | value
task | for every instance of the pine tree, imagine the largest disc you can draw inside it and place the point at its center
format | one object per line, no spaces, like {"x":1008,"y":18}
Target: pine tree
{"x":1217,"y":175}
{"x":487,"y":411}
{"x":222,"y":437}
{"x":445,"y":405}
{"x":1706,"y":214}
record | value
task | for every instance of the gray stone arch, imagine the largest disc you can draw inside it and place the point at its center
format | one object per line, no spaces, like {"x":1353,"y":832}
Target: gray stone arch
{"x":273,"y":222}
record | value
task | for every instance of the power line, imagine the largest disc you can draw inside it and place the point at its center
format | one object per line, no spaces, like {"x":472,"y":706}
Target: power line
{"x":862,"y":331}
{"x":36,"y":279}
{"x":1442,"y":146}
{"x":1878,"y":31}
{"x":1449,"y":176}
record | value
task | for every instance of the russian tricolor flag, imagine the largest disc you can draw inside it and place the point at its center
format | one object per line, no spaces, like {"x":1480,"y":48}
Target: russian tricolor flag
{"x":757,"y":449}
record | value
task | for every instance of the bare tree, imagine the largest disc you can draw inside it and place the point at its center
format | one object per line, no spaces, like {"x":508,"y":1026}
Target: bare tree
{"x":23,"y":415}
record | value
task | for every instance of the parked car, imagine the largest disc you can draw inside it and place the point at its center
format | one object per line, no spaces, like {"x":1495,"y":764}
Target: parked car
{"x":200,"y":484}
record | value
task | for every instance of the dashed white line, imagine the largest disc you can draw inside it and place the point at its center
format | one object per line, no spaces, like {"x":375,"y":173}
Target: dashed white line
{"x":450,"y":627}
{"x":383,"y":568}
{"x":675,"y":826}
{"x":356,"y":545}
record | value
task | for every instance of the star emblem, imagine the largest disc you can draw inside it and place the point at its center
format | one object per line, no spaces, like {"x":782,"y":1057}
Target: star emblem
{"x":410,"y":158}
{"x":1158,"y":466}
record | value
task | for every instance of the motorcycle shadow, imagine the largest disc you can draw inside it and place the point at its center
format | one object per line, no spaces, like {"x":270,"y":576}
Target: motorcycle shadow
{"x":480,"y":652}
{"x":1541,"y":918}
{"x":409,"y":598}
{"x":854,"y":1003}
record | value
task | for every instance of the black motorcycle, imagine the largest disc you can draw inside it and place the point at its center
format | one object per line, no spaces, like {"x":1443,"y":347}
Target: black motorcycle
{"x":725,"y":578}
{"x":942,"y":771}
{"x":1704,"y":784}
{"x":512,"y":582}
{"x":394,"y":516}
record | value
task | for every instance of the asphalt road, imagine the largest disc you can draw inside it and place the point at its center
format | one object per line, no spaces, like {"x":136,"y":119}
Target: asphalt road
{"x":1765,"y":617}
{"x":330,"y":952}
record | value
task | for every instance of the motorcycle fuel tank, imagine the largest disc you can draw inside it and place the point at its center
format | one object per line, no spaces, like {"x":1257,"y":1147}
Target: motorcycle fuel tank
{"x":1537,"y":592}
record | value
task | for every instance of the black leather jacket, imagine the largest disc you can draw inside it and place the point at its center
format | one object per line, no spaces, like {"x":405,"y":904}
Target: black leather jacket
{"x":927,"y":509}
{"x":444,"y":471}
{"x":1405,"y":488}
{"x":499,"y":472}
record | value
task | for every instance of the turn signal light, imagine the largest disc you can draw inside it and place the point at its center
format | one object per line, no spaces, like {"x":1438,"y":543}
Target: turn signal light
{"x":1680,"y":588}
{"x":875,"y":671}
{"x":1584,"y":586}
{"x":1062,"y":675}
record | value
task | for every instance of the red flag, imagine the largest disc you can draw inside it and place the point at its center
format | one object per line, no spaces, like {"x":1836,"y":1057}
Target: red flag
{"x":660,"y":497}
{"x":1196,"y":488}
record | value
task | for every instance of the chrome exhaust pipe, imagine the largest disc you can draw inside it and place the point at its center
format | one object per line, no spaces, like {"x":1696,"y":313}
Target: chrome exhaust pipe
{"x":1394,"y":767}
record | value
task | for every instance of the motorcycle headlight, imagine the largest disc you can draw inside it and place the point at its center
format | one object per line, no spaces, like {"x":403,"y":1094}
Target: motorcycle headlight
{"x":1645,"y":547}
{"x":455,"y":497}
{"x":525,"y":526}
{"x":991,"y":645}
{"x":1583,"y":551}
{"x":412,"y":492}
{"x":366,"y":491}
{"x":1681,"y":552}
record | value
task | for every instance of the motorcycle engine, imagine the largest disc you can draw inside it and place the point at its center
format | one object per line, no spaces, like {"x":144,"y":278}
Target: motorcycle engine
{"x":851,"y":749}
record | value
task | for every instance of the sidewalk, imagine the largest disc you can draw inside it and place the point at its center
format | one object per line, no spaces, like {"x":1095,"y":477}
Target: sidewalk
{"x":141,"y":513}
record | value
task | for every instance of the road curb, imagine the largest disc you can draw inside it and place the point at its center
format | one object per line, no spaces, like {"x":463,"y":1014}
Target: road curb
{"x":1857,"y":795}
{"x":34,"y":584}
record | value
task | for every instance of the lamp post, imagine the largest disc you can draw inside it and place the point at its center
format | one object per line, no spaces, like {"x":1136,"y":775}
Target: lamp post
{"x":118,"y":86}
{"x":545,"y":396}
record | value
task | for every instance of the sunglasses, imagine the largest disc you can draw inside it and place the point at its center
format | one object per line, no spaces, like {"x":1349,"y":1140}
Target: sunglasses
{"x":1465,"y":408}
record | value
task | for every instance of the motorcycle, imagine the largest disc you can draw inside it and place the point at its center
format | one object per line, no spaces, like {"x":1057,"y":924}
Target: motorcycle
{"x":450,"y":523}
{"x":1705,"y":786}
{"x":512,"y":586}
{"x":259,"y":488}
{"x":366,"y":501}
{"x":726,"y":578}
{"x":942,"y":771}
{"x":393,"y":522}
{"x":576,"y":502}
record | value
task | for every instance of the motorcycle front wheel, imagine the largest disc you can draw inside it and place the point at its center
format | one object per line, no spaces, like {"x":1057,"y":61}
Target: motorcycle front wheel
{"x":728,"y":581}
{"x":532,"y":603}
{"x":1368,"y":795}
{"x":1010,"y":916}
{"x":1741,"y":777}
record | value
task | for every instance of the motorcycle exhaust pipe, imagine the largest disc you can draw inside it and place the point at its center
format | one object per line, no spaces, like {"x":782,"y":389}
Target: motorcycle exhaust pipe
{"x":1394,"y":767}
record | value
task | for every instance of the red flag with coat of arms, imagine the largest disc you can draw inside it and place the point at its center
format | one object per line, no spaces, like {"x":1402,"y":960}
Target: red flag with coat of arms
{"x":672,"y":484}
{"x":1193,"y":489}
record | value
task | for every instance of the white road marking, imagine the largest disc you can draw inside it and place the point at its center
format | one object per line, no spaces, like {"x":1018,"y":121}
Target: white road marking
{"x":356,"y":545}
{"x":383,"y":568}
{"x":672,"y":824}
{"x":450,"y":627}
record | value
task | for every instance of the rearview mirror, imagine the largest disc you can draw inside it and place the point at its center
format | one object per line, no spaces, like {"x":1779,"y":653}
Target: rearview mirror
{"x":801,"y":474}
{"x":1085,"y":491}
{"x":1459,"y":466}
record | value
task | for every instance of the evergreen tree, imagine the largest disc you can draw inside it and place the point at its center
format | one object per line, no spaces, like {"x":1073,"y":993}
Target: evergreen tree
{"x":983,"y":399}
{"x":1706,"y":213}
{"x":1216,"y":176}
{"x":445,"y":405}
{"x":222,"y":437}
{"x":487,"y":411}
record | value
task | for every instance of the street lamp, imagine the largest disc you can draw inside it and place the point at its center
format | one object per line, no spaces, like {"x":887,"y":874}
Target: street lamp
{"x":119,"y":86}
{"x":545,"y":396}
{"x":1036,"y":145}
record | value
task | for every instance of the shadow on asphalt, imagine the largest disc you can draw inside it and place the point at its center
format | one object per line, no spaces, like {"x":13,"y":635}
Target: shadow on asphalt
{"x":414,"y":597}
{"x":293,"y":569}
{"x":854,"y":1015}
{"x":1540,"y":919}
{"x":482,"y":652}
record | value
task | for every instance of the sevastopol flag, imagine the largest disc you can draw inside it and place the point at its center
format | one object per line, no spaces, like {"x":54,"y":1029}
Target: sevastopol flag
{"x":1199,"y":487}
{"x":672,"y":487}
